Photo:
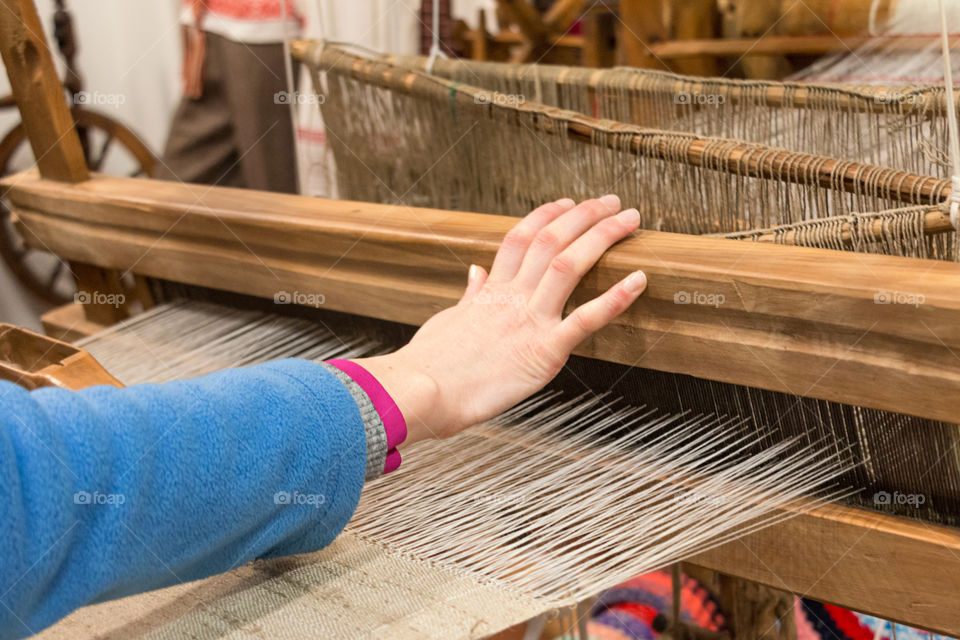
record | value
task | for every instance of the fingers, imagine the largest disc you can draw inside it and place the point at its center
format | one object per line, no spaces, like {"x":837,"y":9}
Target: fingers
{"x":567,"y":268}
{"x":476,"y":278}
{"x":598,"y":313}
{"x":516,"y":243}
{"x":557,"y":236}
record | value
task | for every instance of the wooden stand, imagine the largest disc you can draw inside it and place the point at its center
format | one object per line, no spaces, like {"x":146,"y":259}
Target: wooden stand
{"x":51,"y":130}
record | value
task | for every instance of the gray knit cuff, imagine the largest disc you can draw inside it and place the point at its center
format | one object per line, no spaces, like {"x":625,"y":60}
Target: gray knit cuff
{"x":376,"y":433}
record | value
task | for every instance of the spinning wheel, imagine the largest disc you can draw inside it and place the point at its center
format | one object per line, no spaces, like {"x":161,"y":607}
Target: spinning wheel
{"x":108,"y":146}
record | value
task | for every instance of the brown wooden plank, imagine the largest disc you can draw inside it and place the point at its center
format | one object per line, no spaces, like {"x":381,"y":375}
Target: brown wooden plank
{"x":598,"y":30}
{"x":641,"y":26}
{"x":562,"y":14}
{"x":100,"y":293}
{"x":695,"y":19}
{"x":39,"y":94}
{"x":69,"y":323}
{"x":803,"y":321}
{"x":895,"y":568}
{"x":780,"y":45}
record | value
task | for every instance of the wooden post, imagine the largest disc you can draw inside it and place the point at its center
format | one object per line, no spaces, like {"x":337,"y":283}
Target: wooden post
{"x":695,"y":19}
{"x":51,"y":130}
{"x":39,"y":93}
{"x":641,"y":26}
{"x":598,"y":32}
{"x":480,"y":39}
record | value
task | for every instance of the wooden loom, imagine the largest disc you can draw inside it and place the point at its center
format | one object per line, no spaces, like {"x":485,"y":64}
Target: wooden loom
{"x":797,"y":320}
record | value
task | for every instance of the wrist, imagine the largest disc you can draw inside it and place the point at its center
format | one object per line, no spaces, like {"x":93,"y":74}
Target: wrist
{"x":415,"y":392}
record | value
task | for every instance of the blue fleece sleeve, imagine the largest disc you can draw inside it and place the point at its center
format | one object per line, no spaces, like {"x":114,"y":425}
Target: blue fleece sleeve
{"x":108,"y":492}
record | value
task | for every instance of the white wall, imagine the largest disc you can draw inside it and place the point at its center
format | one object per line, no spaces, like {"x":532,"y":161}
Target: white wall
{"x":129,"y":54}
{"x":129,"y":49}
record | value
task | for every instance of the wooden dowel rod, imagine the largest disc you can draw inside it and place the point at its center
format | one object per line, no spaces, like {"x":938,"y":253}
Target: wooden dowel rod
{"x":785,"y":45}
{"x":39,"y":93}
{"x":934,"y":222}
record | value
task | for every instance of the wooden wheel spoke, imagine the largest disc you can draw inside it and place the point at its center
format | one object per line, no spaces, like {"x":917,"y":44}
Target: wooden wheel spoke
{"x":95,"y":164}
{"x":20,"y":250}
{"x":98,"y":135}
{"x":55,"y":274}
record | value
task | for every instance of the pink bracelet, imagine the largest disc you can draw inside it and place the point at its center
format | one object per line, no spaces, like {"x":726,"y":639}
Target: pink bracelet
{"x":394,"y":423}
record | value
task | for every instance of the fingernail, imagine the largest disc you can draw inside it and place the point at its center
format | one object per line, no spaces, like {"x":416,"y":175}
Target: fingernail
{"x":630,"y":216}
{"x":566,"y":203}
{"x":611,"y":202}
{"x":635,"y":282}
{"x":473,"y":273}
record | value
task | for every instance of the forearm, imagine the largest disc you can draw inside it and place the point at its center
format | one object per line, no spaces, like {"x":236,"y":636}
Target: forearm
{"x":109,"y":491}
{"x":414,"y":391}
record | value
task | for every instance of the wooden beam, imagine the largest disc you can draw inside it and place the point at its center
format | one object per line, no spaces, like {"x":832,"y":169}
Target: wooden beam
{"x":562,"y":14}
{"x":894,"y":568}
{"x":935,"y":221}
{"x":69,"y":323}
{"x":695,"y":19}
{"x":868,"y":330}
{"x":641,"y":26}
{"x":511,"y":38}
{"x":39,"y":93}
{"x":598,"y":30}
{"x":781,"y":45}
{"x":479,"y":38}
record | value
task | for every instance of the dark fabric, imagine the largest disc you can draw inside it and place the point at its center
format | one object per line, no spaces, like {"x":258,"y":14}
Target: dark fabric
{"x":238,"y":133}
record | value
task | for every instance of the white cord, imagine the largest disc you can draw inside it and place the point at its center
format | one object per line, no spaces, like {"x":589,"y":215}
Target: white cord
{"x":321,"y":21}
{"x":872,"y":20}
{"x":951,"y":119}
{"x":291,"y":92}
{"x":435,"y":51}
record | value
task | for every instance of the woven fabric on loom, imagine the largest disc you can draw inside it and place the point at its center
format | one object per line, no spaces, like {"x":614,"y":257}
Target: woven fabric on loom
{"x":499,"y":156}
{"x":530,"y":512}
{"x":893,"y":126}
{"x":488,"y":153}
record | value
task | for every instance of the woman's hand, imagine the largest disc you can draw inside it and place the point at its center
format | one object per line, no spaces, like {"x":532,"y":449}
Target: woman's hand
{"x":507,"y":338}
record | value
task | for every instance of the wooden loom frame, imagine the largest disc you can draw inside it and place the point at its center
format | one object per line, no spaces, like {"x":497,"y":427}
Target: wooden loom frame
{"x":797,"y":320}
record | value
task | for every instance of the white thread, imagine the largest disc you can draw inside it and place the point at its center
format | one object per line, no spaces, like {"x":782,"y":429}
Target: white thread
{"x":321,"y":22}
{"x":872,"y":20}
{"x":291,"y":93}
{"x":951,"y":119}
{"x":435,"y":51}
{"x":554,"y":500}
